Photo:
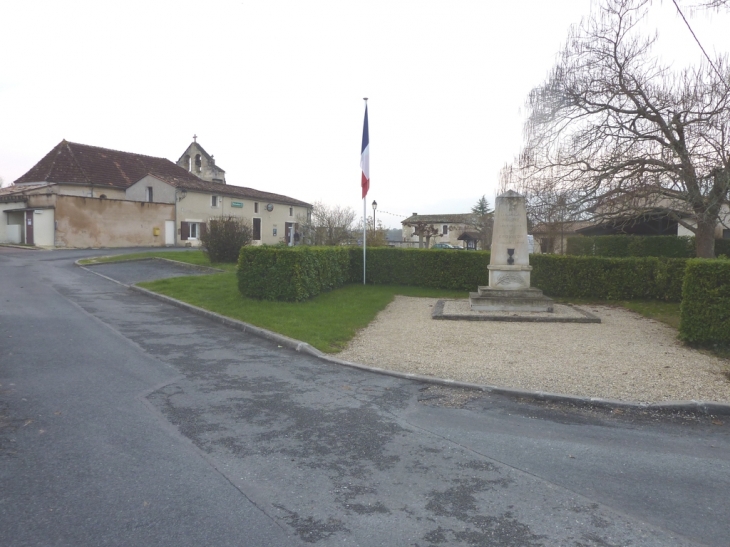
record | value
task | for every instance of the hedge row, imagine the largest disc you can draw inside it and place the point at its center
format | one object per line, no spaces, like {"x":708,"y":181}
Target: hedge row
{"x":440,"y":269}
{"x":609,"y":278}
{"x":291,"y":273}
{"x":295,"y":274}
{"x":627,"y":245}
{"x":705,"y":309}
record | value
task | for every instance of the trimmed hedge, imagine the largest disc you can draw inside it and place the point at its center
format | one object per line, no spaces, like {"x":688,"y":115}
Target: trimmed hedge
{"x":291,"y":274}
{"x":705,"y":309}
{"x":609,"y":278}
{"x":435,"y":268}
{"x":627,"y":245}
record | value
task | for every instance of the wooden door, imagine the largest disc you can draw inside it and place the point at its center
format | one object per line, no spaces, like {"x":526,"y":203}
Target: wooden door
{"x":29,"y":228}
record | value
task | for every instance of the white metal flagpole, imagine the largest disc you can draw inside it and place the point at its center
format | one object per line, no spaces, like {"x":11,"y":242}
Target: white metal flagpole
{"x":365,"y":184}
{"x":364,"y":239}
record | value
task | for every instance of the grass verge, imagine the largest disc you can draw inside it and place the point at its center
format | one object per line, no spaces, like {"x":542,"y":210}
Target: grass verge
{"x":198,"y":258}
{"x":327,"y":322}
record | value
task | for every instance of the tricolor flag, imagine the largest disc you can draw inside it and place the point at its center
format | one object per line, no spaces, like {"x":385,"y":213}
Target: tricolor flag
{"x":365,"y":156}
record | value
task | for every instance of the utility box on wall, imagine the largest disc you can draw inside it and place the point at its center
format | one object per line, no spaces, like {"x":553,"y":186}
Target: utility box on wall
{"x":155,"y":231}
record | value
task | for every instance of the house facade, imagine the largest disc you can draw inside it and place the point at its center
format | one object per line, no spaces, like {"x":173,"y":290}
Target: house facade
{"x":425,"y":231}
{"x":86,"y":196}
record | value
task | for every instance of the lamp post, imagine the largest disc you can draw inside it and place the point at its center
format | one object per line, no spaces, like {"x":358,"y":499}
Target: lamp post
{"x":375,"y":206}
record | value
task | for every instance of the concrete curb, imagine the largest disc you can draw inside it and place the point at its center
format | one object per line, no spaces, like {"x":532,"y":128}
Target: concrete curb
{"x":696,"y":407}
{"x":176,"y":262}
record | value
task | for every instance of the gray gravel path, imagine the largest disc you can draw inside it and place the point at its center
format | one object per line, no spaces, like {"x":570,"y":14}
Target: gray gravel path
{"x":625,"y":357}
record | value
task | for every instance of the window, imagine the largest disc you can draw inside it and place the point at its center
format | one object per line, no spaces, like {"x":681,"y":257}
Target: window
{"x":214,"y":201}
{"x":191,"y":230}
{"x":256,"y":208}
{"x":148,"y":194}
{"x":726,"y":233}
{"x":445,"y":230}
{"x":291,"y":211}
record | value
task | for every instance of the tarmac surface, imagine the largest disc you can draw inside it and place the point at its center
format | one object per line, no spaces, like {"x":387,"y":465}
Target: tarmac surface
{"x":127,"y":421}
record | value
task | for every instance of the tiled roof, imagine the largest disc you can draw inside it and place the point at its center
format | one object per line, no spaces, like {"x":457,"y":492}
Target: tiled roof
{"x":463,"y":218}
{"x":17,"y":193}
{"x":71,"y":162}
{"x":82,"y":164}
{"x":199,"y":185}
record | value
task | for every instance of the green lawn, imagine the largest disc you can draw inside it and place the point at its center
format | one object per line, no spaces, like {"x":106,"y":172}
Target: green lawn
{"x":190,"y":257}
{"x":329,"y":321}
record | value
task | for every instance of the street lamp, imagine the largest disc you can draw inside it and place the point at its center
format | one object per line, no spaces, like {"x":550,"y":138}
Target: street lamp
{"x":375,"y":206}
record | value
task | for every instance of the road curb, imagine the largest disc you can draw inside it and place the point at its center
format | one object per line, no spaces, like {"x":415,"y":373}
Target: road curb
{"x":696,"y":407}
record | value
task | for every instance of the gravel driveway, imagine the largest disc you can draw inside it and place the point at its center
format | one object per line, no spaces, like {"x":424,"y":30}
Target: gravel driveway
{"x":626,"y":357}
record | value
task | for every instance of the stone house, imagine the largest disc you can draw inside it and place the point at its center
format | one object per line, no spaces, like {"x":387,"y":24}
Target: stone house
{"x":456,"y":229}
{"x":86,"y":196}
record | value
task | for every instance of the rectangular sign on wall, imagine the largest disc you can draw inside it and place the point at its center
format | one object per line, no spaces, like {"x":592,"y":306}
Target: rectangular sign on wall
{"x":238,"y":204}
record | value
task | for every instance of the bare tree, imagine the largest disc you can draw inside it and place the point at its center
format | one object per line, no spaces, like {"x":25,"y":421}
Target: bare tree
{"x":424,"y":230}
{"x":328,"y":225}
{"x":617,"y":133}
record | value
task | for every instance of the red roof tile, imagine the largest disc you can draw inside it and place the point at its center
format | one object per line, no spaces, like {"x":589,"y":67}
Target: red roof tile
{"x":75,"y":163}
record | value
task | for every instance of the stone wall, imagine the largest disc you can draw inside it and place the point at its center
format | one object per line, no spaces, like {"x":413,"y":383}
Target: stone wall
{"x":92,"y":222}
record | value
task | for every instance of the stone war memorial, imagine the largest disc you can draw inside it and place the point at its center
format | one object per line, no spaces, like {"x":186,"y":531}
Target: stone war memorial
{"x":509,"y":295}
{"x":509,"y":268}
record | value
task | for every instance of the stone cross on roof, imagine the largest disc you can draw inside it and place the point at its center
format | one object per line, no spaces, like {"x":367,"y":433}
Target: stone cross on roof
{"x":195,"y":138}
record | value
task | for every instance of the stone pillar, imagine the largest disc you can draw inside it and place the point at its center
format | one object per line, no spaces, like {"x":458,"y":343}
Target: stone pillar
{"x":509,"y":267}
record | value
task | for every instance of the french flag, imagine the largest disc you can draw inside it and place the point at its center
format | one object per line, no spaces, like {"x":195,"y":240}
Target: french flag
{"x":365,"y":156}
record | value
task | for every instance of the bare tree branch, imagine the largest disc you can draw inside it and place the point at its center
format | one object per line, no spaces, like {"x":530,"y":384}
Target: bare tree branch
{"x":612,"y":132}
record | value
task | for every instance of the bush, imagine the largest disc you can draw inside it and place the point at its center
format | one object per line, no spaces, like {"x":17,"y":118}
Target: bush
{"x":291,"y":273}
{"x":627,"y":245}
{"x":224,"y":237}
{"x":435,"y":268}
{"x":705,"y":309}
{"x":608,"y":278}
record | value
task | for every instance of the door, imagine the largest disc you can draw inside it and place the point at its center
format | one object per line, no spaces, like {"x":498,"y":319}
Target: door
{"x":29,"y":228}
{"x":169,"y":232}
{"x":289,"y":231}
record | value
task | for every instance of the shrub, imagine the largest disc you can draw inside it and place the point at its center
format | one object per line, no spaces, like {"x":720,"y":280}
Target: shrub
{"x":435,"y":268}
{"x":608,"y":278}
{"x":291,"y":273}
{"x":224,"y":237}
{"x":705,"y":309}
{"x":628,"y":245}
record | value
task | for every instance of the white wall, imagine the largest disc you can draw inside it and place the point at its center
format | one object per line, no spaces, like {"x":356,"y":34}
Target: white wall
{"x":161,"y":191}
{"x":43,"y":227}
{"x":10,"y":233}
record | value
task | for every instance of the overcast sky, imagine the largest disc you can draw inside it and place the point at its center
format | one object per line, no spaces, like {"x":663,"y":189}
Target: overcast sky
{"x":274,"y":88}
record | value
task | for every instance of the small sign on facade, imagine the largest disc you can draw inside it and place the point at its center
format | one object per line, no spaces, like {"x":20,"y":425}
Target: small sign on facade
{"x":238,"y":204}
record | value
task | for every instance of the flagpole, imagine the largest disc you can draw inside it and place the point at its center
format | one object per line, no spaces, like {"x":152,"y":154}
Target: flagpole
{"x":366,"y":143}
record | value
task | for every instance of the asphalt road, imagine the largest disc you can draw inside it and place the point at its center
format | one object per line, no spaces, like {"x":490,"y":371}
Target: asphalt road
{"x":127,"y":421}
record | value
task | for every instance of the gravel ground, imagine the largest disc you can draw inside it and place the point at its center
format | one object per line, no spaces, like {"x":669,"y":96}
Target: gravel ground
{"x":625,"y":357}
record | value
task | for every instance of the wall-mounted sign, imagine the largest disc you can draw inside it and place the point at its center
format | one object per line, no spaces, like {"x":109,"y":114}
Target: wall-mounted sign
{"x":269,"y":207}
{"x":238,"y":204}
